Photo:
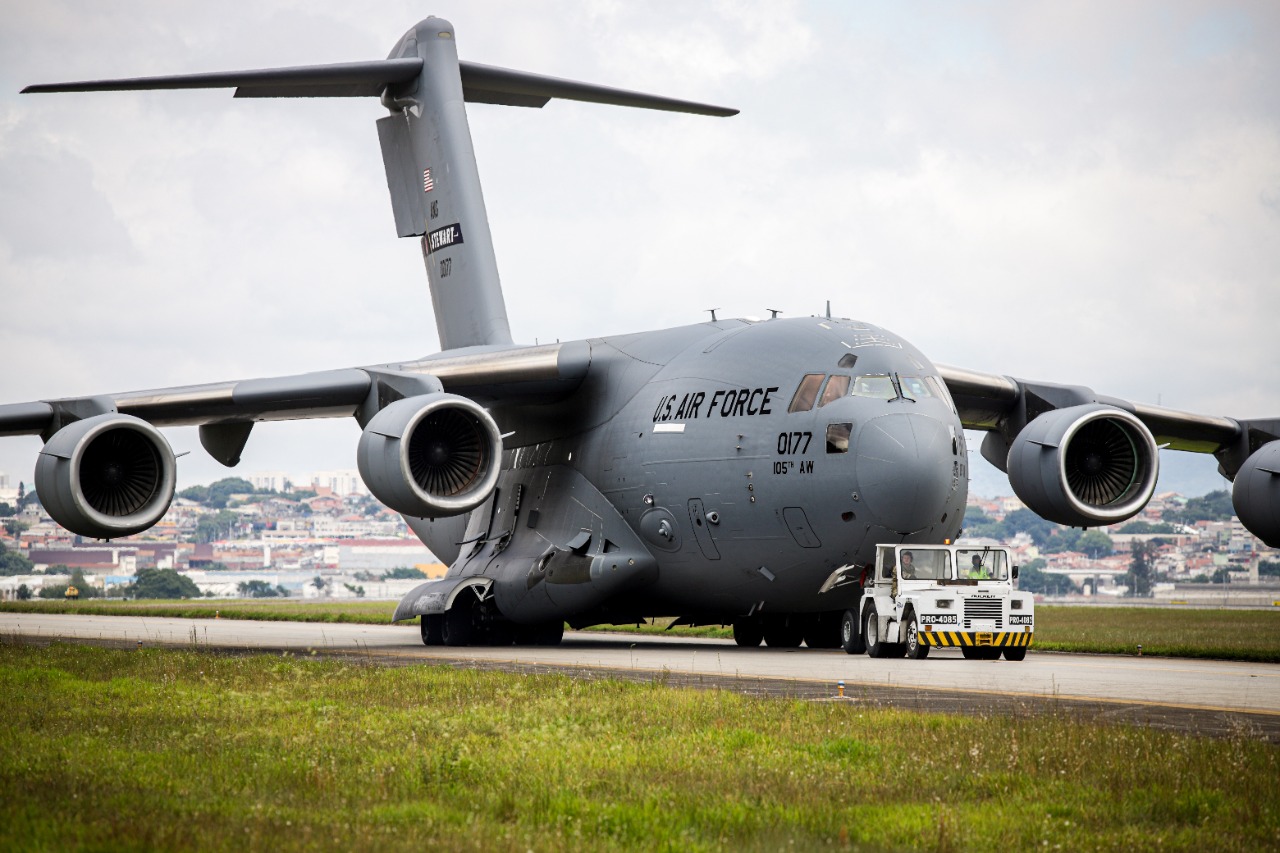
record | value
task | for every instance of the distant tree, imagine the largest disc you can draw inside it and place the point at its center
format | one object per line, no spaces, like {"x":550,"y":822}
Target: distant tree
{"x":26,"y":499}
{"x":1138,"y":577}
{"x":1032,"y":578}
{"x":199,"y":494}
{"x":14,"y":528}
{"x":13,"y":563}
{"x":1026,"y":521}
{"x":211,"y":528}
{"x":6,"y":510}
{"x":221,"y":491}
{"x":1141,"y":527}
{"x":216,"y":567}
{"x":1062,"y":539}
{"x":260,"y":589}
{"x":1269,"y":568}
{"x":163,"y":583}
{"x":403,"y":574}
{"x":358,"y":591}
{"x":1095,"y":543}
{"x":24,"y":592}
{"x":318,"y":582}
{"x":84,"y":589}
{"x":1221,"y":576}
{"x":1215,"y":506}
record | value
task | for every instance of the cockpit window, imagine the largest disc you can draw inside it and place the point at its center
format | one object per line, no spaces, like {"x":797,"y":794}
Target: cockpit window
{"x":837,"y":387}
{"x":876,"y":385}
{"x":838,"y":437}
{"x":915,"y":387}
{"x":940,"y":391}
{"x":806,"y":393}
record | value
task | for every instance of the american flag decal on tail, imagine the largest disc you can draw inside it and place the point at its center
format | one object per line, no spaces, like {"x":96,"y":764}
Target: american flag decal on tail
{"x":427,"y":184}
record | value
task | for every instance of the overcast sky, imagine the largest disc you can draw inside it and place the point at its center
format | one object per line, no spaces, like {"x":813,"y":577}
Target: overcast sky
{"x":1075,"y":192}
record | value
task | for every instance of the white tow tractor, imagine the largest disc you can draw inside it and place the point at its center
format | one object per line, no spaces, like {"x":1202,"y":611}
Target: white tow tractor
{"x":921,"y":596}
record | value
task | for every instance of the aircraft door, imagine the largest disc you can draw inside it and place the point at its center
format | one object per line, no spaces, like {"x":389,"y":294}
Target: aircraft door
{"x":798,"y":525}
{"x":702,"y":530}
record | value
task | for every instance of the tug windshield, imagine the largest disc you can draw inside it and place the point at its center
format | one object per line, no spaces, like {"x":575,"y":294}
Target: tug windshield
{"x":983,"y":564}
{"x":924,"y":565}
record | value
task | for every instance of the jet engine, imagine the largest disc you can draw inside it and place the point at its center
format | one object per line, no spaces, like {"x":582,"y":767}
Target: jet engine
{"x":106,"y":476}
{"x":431,"y":456}
{"x":1084,"y":466}
{"x":1256,"y":493}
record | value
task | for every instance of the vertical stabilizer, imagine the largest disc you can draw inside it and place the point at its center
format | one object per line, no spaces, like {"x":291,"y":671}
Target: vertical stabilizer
{"x":427,"y":151}
{"x":435,"y":190}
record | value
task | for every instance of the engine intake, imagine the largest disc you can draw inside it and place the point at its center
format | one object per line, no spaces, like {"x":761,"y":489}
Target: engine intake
{"x":431,"y":456}
{"x":1256,"y":493}
{"x":1084,"y":465}
{"x":106,"y":476}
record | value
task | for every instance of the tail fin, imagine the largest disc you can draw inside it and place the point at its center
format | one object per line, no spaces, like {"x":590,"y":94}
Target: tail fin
{"x":427,"y":152}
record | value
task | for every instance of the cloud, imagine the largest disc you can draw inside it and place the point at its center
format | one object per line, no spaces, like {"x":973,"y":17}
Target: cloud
{"x":1075,"y":192}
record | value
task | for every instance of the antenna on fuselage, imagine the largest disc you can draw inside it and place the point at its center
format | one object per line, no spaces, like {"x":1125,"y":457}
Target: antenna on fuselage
{"x":828,"y":309}
{"x":713,"y":313}
{"x":773,"y":313}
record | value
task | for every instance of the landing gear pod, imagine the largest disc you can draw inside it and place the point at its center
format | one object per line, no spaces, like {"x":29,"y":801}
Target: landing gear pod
{"x":1084,"y":466}
{"x":431,"y":456}
{"x":1256,"y":493}
{"x":107,"y":476}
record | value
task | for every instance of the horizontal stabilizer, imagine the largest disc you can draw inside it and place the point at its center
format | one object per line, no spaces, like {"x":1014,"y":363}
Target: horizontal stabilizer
{"x":488,"y":84}
{"x":342,"y":80}
{"x":485,"y":84}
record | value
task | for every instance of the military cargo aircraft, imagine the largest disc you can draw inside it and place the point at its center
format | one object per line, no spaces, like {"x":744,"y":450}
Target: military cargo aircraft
{"x":730,"y":472}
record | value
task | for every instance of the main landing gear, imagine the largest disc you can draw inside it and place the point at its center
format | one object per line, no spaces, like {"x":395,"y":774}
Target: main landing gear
{"x":472,"y":622}
{"x":789,"y":630}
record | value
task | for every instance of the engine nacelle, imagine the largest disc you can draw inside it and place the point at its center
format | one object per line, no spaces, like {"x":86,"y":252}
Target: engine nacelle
{"x":1256,"y":493}
{"x":431,"y":456}
{"x":107,"y":476}
{"x":1084,"y":466}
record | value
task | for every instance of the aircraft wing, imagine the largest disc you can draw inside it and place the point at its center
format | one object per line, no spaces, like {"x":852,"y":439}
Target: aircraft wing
{"x":1003,"y":406}
{"x":429,"y":446}
{"x":519,"y":373}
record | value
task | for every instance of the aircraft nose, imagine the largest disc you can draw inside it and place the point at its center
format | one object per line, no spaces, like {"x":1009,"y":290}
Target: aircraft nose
{"x":905,"y":470}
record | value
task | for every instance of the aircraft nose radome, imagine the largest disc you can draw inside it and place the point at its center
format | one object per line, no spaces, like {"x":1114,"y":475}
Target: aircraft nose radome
{"x":904,"y":470}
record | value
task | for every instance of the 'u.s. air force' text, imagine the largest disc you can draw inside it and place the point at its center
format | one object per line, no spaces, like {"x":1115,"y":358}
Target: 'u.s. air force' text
{"x":737,"y":402}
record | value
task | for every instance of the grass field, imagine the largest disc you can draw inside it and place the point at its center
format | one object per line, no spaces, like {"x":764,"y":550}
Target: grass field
{"x":1252,"y":635}
{"x":180,"y":749}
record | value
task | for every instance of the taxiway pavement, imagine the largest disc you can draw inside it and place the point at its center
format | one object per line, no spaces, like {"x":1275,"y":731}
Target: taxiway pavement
{"x":1216,"y":697}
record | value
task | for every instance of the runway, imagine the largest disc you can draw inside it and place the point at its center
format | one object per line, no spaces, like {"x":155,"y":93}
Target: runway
{"x":1210,"y":697}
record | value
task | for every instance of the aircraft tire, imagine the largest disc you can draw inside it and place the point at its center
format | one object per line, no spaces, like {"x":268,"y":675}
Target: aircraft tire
{"x":784,"y":632}
{"x":549,"y":633}
{"x":822,"y":630}
{"x":851,"y":639}
{"x":915,"y":649}
{"x":1015,"y":653}
{"x":748,"y":632}
{"x":459,"y":627}
{"x":432,"y":628}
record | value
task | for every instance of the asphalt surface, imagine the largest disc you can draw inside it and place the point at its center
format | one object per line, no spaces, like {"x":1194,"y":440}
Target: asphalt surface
{"x":1218,"y":698}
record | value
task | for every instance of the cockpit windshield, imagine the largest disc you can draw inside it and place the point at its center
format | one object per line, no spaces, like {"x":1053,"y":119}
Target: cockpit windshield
{"x":876,"y":385}
{"x":982,"y":564}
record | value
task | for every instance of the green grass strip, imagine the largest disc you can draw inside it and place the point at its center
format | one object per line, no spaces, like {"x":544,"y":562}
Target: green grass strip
{"x":178,"y":749}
